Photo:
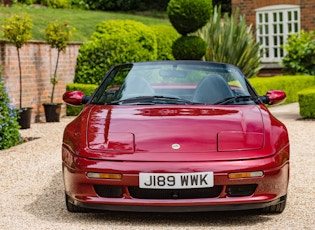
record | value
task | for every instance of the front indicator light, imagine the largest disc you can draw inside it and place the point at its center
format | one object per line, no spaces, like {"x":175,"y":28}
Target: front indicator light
{"x":241,"y":175}
{"x":115,"y":176}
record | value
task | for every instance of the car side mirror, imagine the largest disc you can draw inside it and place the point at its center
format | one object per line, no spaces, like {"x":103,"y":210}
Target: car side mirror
{"x":75,"y":98}
{"x":273,"y":97}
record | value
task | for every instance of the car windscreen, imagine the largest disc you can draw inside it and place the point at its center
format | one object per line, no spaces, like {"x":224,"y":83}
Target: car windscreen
{"x":174,"y":83}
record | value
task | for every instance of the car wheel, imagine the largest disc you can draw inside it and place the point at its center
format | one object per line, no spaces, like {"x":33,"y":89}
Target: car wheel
{"x":275,"y":209}
{"x":73,"y":208}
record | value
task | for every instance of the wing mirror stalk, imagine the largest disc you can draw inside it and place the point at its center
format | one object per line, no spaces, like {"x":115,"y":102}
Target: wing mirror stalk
{"x":85,"y":99}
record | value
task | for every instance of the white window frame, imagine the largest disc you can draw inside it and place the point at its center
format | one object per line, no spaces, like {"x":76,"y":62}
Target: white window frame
{"x":273,"y":26}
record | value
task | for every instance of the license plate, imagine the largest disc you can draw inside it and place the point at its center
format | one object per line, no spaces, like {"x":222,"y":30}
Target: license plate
{"x":176,"y":180}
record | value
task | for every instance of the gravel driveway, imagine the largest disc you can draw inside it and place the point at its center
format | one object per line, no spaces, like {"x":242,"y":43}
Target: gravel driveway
{"x":31,"y":190}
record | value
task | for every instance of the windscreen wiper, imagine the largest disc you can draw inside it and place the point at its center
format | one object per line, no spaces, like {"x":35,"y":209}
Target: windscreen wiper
{"x":173,"y":99}
{"x":133,"y":100}
{"x":233,"y":99}
{"x":152,"y":100}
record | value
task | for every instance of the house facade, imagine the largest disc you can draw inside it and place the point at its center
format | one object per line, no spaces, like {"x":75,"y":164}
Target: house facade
{"x":273,"y":21}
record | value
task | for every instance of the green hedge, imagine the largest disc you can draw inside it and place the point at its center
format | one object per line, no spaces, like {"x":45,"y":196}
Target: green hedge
{"x":306,"y":102}
{"x":289,"y":84}
{"x":114,"y":42}
{"x":87,"y":89}
{"x":165,"y":36}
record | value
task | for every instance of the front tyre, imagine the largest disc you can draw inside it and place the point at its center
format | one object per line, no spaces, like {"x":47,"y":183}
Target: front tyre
{"x":73,"y":208}
{"x":276,"y":209}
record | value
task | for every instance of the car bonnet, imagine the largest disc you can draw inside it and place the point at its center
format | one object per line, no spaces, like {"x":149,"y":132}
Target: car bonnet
{"x":132,"y":132}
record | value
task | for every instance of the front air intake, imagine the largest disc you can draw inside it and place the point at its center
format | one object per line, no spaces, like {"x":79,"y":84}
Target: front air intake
{"x":108,"y":191}
{"x":162,"y":194}
{"x":241,"y":190}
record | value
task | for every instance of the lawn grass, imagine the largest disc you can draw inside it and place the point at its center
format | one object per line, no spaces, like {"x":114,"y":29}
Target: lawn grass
{"x":83,"y":20}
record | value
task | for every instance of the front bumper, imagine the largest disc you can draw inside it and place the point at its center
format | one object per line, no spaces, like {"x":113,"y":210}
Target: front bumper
{"x":197,"y":208}
{"x":270,"y":189}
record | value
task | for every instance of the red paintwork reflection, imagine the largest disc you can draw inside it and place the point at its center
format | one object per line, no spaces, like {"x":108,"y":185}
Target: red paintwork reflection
{"x":185,"y":111}
{"x":122,"y":142}
{"x":233,"y":140}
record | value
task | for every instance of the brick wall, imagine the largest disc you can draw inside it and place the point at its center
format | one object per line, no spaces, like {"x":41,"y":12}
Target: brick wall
{"x":247,"y":7}
{"x":308,"y":15}
{"x":38,"y":62}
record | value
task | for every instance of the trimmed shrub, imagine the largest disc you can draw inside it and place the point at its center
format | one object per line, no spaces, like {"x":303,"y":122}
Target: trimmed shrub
{"x":114,"y":42}
{"x":188,"y":16}
{"x":129,"y":28}
{"x":232,"y":42}
{"x":165,"y":36}
{"x":300,"y":57}
{"x":306,"y":102}
{"x":289,"y":84}
{"x":87,"y":89}
{"x":90,"y":68}
{"x":56,"y":3}
{"x":189,"y":48}
{"x":9,"y":127}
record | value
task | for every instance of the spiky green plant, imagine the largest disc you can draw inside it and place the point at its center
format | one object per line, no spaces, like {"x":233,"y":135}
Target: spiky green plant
{"x":230,"y":40}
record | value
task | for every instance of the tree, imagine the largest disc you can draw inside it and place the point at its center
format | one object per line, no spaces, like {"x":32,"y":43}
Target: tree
{"x":57,"y":35}
{"x":17,"y":29}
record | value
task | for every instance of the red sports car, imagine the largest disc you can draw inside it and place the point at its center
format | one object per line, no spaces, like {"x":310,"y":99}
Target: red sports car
{"x":175,"y":136}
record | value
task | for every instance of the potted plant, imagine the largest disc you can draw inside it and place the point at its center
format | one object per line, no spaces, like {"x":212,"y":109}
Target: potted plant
{"x":17,"y":29}
{"x":57,"y":35}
